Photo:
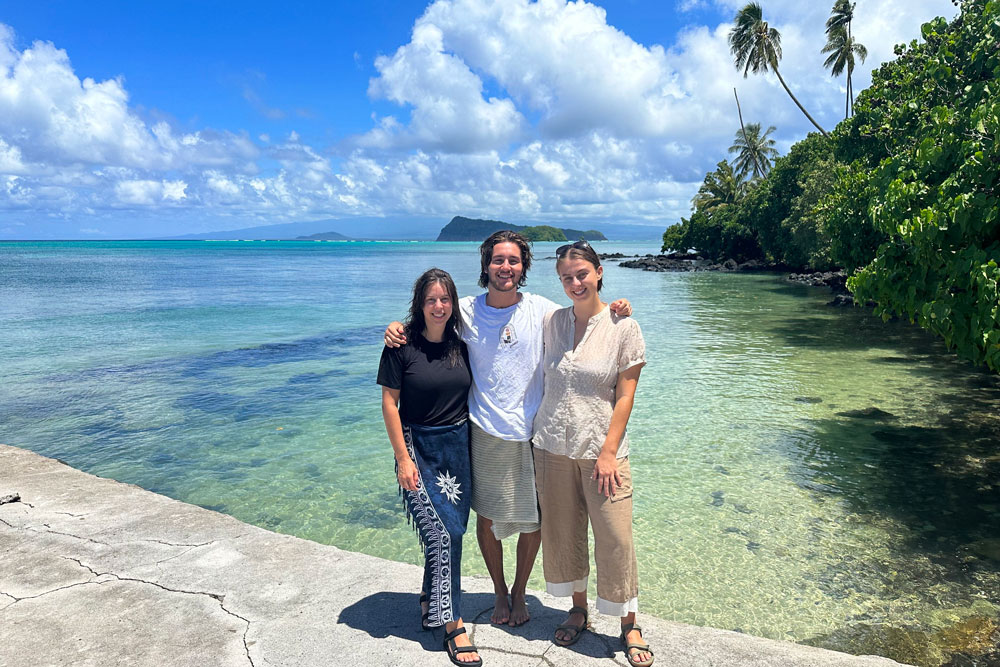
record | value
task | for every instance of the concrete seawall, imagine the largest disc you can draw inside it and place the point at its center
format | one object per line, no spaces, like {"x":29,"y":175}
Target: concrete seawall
{"x":95,"y":572}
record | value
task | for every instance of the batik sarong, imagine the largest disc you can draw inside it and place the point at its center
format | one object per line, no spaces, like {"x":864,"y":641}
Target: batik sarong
{"x":439,"y":511}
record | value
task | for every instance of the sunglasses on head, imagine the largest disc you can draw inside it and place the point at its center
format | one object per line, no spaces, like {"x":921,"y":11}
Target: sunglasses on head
{"x":579,"y":245}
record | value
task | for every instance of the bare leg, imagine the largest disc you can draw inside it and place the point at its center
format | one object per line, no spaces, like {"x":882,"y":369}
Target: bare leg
{"x":492,"y":550}
{"x":527,"y":550}
{"x":461,"y":640}
{"x":579,"y":600}
{"x":635,"y":637}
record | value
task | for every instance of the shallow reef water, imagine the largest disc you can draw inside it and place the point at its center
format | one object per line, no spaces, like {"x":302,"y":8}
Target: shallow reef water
{"x":801,"y":472}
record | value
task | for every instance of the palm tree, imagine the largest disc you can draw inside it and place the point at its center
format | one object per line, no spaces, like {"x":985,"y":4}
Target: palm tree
{"x":755,"y":151}
{"x":842,"y":47}
{"x":842,"y":50}
{"x":840,"y":16}
{"x":756,"y":48}
{"x":721,"y":188}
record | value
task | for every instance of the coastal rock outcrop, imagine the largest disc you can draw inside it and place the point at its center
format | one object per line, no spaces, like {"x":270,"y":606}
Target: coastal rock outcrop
{"x":693,"y":262}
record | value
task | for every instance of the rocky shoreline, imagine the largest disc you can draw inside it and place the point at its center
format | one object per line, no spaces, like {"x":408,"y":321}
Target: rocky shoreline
{"x":676,"y":262}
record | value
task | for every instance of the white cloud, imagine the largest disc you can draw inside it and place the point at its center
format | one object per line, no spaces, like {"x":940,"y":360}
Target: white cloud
{"x":10,"y":159}
{"x":506,"y":109}
{"x":449,"y":112}
{"x":174,"y":190}
{"x":53,"y":118}
{"x":562,"y":60}
{"x":148,"y":192}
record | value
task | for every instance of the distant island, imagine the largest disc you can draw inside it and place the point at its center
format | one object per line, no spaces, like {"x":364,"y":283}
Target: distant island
{"x":324,"y":236}
{"x":469,"y":229}
{"x":410,"y":228}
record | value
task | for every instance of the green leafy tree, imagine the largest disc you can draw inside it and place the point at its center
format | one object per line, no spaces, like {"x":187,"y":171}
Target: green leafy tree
{"x":924,"y":147}
{"x":768,"y":207}
{"x":808,"y":240}
{"x":720,"y":236}
{"x":716,"y":228}
{"x":854,"y":238}
{"x":755,"y":151}
{"x":756,"y":47}
{"x":543,"y":233}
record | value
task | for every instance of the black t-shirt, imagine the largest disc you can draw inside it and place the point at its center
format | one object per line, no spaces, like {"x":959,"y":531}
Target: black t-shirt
{"x":432,"y":392}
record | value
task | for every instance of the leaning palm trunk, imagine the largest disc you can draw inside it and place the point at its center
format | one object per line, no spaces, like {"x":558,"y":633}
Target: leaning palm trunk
{"x":743,"y":129}
{"x":847,"y":100}
{"x":797,"y":103}
{"x":850,"y":91}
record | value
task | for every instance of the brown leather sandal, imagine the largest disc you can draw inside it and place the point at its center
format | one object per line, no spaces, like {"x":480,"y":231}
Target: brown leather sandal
{"x":632,"y":648}
{"x":577,"y":630}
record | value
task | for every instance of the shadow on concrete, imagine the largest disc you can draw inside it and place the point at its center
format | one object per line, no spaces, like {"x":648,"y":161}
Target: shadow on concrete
{"x":542,"y":625}
{"x":390,"y":614}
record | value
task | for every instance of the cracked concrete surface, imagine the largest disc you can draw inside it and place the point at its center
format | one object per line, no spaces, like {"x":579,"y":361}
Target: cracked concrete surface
{"x":95,"y":572}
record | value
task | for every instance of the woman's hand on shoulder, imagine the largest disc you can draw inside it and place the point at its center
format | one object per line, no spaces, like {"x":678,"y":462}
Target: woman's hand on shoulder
{"x":621,"y":307}
{"x":394,"y":335}
{"x":406,"y":474}
{"x":606,"y":474}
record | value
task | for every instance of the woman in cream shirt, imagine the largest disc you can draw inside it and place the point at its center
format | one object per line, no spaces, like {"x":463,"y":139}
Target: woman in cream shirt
{"x":592,"y":361}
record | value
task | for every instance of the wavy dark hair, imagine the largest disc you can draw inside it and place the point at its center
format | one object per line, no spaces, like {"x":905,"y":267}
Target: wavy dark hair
{"x":414,"y":324}
{"x":486,"y":254}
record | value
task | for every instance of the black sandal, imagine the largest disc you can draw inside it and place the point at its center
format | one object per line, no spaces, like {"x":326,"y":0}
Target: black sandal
{"x":424,"y":615}
{"x":453,"y":650}
{"x":577,"y":630}
{"x":637,"y":647}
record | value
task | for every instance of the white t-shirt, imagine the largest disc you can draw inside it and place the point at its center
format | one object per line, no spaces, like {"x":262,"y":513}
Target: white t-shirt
{"x":505,"y":353}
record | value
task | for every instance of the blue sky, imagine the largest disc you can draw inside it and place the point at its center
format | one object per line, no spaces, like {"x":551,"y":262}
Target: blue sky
{"x":136,"y":119}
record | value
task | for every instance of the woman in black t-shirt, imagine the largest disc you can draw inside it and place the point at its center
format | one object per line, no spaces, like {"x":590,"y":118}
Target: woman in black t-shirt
{"x":425,"y":388}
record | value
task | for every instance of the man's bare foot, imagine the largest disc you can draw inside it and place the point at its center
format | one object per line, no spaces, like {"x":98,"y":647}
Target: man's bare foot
{"x":460,"y":641}
{"x":518,"y":610}
{"x":501,"y":610}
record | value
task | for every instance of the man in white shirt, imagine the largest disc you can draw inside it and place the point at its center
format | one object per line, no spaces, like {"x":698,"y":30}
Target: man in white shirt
{"x":503,"y":330}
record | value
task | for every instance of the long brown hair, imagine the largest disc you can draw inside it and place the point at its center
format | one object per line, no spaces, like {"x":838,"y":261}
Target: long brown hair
{"x":415,"y":324}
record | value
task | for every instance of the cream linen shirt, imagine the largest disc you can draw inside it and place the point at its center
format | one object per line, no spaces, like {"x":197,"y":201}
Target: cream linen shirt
{"x":579,"y":396}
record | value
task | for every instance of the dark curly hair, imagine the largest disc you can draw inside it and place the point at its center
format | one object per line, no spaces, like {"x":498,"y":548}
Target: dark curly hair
{"x":486,"y":254}
{"x":414,"y":324}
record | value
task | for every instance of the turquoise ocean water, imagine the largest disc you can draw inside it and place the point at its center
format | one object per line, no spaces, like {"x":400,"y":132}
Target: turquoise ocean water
{"x":240,"y":376}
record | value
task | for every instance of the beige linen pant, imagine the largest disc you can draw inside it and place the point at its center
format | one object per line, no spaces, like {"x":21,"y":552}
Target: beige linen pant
{"x":568,"y":497}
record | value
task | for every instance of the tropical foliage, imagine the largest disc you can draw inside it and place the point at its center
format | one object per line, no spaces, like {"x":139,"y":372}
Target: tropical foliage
{"x":543,"y":233}
{"x":722,"y":187}
{"x":905,"y":194}
{"x":714,"y":228}
{"x":926,"y":140}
